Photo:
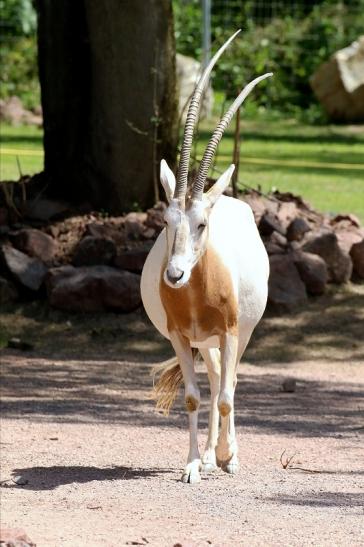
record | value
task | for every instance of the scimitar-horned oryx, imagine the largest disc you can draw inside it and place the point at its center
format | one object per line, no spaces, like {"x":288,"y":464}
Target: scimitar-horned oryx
{"x":204,"y":286}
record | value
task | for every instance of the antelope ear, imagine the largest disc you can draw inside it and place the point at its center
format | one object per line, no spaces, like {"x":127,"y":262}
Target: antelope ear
{"x":220,"y":185}
{"x":168,"y":180}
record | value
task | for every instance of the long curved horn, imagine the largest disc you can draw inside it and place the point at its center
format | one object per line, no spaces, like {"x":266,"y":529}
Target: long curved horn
{"x":182,"y":175}
{"x":199,"y":184}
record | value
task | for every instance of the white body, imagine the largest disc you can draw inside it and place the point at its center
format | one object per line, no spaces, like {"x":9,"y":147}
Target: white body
{"x":234,"y":236}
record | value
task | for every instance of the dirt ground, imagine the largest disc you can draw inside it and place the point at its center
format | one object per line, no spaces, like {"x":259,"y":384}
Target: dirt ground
{"x":86,"y":461}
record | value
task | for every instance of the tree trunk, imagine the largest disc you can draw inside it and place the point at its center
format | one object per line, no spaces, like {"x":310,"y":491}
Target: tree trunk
{"x":107,"y":73}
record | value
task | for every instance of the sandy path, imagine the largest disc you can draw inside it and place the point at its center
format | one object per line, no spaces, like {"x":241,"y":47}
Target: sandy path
{"x":103,"y":469}
{"x":99,"y":467}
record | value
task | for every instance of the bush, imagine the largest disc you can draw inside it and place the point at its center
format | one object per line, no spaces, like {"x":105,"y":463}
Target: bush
{"x":18,"y":52}
{"x":290,"y":47}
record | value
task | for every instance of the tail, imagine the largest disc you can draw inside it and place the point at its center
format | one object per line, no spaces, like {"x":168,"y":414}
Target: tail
{"x":166,"y":388}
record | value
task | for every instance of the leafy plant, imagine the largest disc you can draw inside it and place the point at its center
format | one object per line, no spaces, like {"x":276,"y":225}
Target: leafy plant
{"x":291,"y":47}
{"x":18,"y":52}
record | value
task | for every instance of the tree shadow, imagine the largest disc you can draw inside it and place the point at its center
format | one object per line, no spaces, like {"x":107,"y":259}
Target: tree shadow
{"x":49,"y":478}
{"x":104,"y":392}
{"x":73,"y":377}
{"x":20,"y":138}
{"x":289,"y":136}
{"x":321,"y":499}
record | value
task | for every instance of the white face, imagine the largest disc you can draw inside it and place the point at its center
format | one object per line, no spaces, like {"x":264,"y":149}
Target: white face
{"x":187,"y":227}
{"x":187,"y":236}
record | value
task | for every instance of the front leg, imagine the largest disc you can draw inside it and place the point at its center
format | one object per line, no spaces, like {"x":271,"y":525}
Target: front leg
{"x":227,"y":447}
{"x":183,"y":351}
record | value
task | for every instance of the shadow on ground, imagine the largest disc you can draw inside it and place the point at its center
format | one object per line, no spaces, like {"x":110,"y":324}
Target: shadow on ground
{"x":321,"y":499}
{"x":48,"y":478}
{"x":97,"y":369}
{"x":80,"y":391}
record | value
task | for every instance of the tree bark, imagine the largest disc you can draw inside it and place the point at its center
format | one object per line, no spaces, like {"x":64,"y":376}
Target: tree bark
{"x":107,"y":73}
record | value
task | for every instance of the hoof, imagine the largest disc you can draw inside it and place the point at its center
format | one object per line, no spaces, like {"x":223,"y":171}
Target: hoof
{"x":209,"y":467}
{"x":230,"y":468}
{"x":191,"y":474}
{"x":191,"y":477}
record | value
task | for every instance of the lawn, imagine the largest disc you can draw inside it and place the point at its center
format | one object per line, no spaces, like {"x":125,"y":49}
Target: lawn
{"x":24,"y":142}
{"x":324,"y":164}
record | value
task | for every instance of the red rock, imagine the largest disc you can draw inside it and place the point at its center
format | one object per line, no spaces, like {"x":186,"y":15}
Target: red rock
{"x":297,"y":229}
{"x":278,"y":239}
{"x":135,"y":225}
{"x":347,"y":233}
{"x":357,"y":256}
{"x":29,"y":272}
{"x":150,"y":233}
{"x":286,"y":289}
{"x":94,"y":250}
{"x":275,"y":244}
{"x":273,"y":248}
{"x":325,"y":244}
{"x":107,"y":231}
{"x":352,"y":219}
{"x":93,"y":288}
{"x":270,"y":223}
{"x":155,"y":216}
{"x":287,"y":212}
{"x":35,"y":243}
{"x":260,"y":204}
{"x":312,"y":270}
{"x":133,"y":259}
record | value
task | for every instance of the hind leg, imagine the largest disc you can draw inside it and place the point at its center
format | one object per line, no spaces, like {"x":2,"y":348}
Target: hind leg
{"x":212,"y":360}
{"x":227,"y":447}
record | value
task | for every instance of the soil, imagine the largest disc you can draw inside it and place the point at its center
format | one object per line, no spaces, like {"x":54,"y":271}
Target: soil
{"x":86,"y":461}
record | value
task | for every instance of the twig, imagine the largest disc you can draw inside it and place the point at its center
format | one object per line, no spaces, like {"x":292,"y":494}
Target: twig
{"x":8,"y":190}
{"x":136,"y":129}
{"x":285,"y":464}
{"x":307,"y":470}
{"x":19,"y":167}
{"x":22,"y":185}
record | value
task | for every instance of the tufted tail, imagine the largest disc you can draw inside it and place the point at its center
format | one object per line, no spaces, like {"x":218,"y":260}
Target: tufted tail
{"x":165,"y":389}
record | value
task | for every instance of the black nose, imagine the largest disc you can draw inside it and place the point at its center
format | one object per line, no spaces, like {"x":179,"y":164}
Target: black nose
{"x":175,"y":278}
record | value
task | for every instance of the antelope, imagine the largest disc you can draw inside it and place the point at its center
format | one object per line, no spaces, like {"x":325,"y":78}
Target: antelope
{"x":204,"y":287}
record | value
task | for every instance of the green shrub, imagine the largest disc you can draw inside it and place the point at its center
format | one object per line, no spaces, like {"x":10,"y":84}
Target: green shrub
{"x":290,"y":47}
{"x":18,"y":52}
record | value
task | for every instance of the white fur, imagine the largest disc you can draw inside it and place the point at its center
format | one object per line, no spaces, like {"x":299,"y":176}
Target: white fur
{"x":234,"y":236}
{"x":168,"y":180}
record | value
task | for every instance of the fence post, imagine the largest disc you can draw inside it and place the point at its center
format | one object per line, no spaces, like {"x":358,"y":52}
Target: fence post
{"x":206,"y":34}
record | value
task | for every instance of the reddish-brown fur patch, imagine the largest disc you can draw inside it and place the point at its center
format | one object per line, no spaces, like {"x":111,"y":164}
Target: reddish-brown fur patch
{"x":206,"y":305}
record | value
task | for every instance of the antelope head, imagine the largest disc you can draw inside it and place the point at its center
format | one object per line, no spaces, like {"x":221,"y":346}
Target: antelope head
{"x":187,"y":216}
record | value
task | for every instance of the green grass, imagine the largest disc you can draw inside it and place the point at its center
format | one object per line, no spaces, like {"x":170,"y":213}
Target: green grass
{"x":325,"y":186}
{"x":19,"y":142}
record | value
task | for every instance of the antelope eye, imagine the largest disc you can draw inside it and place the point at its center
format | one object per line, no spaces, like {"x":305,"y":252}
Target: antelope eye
{"x":201,"y":226}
